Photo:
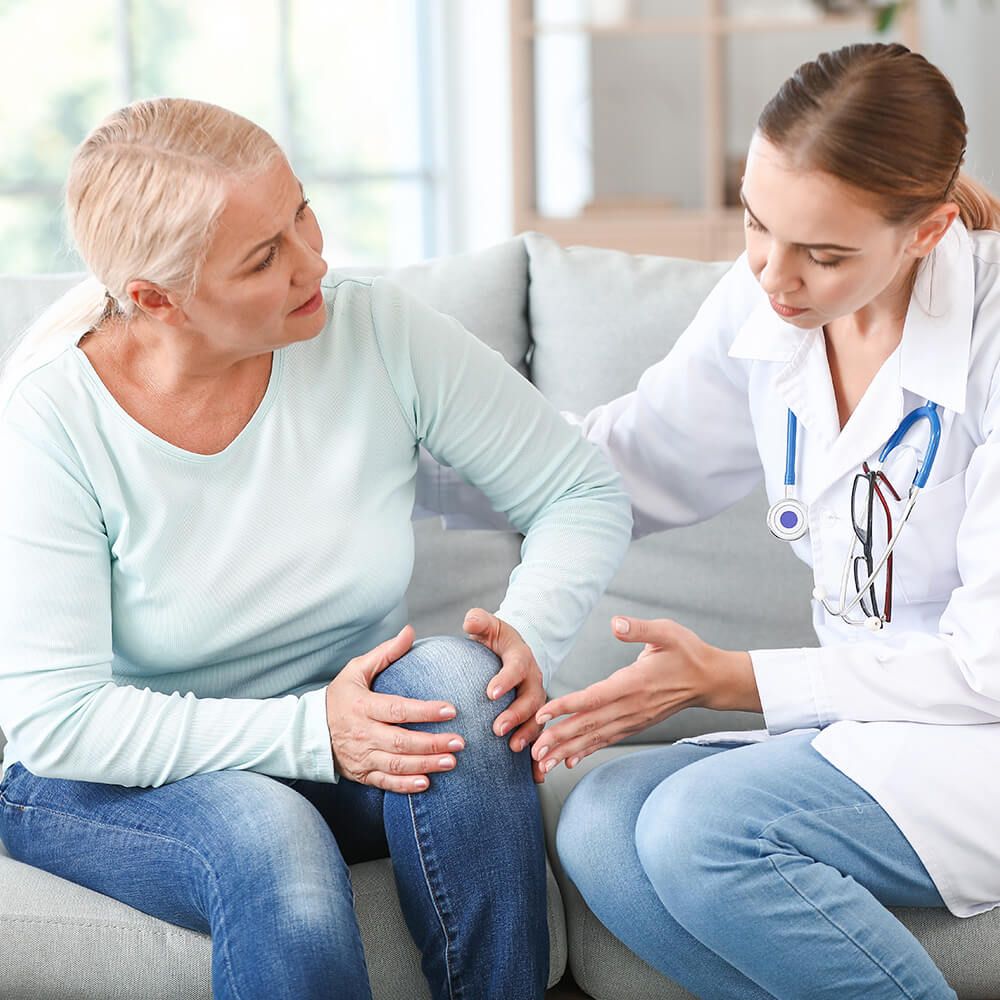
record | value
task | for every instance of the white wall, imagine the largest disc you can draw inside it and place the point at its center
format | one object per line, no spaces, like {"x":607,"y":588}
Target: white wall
{"x":962,"y":37}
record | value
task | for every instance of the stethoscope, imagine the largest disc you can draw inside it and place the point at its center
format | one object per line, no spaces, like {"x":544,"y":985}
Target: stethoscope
{"x":788,"y":517}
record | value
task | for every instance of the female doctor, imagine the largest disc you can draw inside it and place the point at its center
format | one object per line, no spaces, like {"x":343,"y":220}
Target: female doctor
{"x":852,"y":357}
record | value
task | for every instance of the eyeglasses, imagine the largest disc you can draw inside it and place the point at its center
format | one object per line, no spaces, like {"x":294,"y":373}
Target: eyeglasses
{"x":873,"y":527}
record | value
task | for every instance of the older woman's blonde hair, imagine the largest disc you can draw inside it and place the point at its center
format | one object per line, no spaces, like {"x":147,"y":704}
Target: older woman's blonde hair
{"x":143,"y":198}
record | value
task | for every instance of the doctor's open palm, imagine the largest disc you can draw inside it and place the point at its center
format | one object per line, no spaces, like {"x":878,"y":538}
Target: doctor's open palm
{"x":675,"y":669}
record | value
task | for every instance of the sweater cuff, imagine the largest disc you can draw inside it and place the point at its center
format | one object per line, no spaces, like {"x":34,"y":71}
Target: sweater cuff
{"x":317,"y":763}
{"x":791,"y":691}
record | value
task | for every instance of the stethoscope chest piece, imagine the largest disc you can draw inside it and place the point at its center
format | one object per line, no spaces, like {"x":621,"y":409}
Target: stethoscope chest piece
{"x":787,"y":519}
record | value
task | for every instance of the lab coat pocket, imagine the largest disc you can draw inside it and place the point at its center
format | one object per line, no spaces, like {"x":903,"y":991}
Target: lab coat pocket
{"x":925,"y":561}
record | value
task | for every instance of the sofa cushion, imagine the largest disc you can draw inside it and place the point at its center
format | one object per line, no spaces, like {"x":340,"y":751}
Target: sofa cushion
{"x":599,"y":318}
{"x":61,"y":940}
{"x":965,"y":950}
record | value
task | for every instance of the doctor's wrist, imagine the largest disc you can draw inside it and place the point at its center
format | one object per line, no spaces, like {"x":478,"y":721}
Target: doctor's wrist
{"x":734,"y":685}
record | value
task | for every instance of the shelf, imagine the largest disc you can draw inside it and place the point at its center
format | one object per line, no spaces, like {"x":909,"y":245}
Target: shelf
{"x":721,"y":25}
{"x":706,"y":115}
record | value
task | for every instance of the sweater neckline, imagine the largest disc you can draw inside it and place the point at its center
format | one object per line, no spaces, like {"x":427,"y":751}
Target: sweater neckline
{"x":273,"y":383}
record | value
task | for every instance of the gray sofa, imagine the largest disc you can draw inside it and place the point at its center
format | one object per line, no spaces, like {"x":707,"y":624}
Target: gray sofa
{"x":582,"y":324}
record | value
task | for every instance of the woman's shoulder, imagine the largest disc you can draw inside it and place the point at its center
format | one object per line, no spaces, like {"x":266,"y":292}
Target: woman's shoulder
{"x":48,"y":386}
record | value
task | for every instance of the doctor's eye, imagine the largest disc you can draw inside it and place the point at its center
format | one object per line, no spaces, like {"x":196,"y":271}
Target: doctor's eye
{"x":751,"y":223}
{"x":826,"y":263}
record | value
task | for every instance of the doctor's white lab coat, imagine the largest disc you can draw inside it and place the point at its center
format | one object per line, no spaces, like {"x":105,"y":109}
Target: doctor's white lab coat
{"x":911,"y":713}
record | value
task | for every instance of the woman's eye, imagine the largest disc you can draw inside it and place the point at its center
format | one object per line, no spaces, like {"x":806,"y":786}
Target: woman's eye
{"x":268,"y":260}
{"x":301,"y":213}
{"x":826,"y":263}
{"x":752,"y":223}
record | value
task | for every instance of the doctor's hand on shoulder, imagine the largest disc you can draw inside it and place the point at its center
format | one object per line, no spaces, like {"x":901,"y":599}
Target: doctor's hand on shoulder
{"x":676,"y":669}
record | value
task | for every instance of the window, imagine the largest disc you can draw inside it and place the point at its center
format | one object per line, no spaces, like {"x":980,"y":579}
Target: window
{"x":348,"y":89}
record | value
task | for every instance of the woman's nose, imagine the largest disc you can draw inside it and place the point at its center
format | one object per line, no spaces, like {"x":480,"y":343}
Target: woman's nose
{"x":779,"y":274}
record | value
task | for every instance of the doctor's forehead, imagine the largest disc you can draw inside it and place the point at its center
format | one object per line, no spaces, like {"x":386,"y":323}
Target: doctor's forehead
{"x":798,"y":205}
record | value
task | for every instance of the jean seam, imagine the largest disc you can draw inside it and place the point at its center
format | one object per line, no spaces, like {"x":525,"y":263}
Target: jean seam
{"x":809,"y":812}
{"x":857,"y":944}
{"x":434,"y":901}
{"x":154,"y":836}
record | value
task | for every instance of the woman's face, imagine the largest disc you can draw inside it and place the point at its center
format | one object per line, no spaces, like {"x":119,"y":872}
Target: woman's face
{"x":260,"y":285}
{"x":819,"y":250}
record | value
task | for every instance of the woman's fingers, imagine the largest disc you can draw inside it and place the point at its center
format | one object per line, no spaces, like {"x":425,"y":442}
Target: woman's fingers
{"x":410,"y":764}
{"x":398,"y":740}
{"x":403,"y":784}
{"x":580,"y":730}
{"x":369,"y":665}
{"x":396,"y":709}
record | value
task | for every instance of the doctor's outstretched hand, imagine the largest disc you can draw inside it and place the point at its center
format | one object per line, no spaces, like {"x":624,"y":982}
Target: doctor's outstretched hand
{"x":675,"y":670}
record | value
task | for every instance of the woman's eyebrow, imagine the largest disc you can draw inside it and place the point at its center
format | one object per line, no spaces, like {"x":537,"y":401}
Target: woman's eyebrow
{"x":804,"y":246}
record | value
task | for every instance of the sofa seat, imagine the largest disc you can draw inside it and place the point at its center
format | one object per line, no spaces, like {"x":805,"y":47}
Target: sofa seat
{"x":59,"y":939}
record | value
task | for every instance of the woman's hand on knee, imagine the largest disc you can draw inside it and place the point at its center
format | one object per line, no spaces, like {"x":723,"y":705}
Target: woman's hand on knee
{"x":518,"y":670}
{"x":368,"y":737}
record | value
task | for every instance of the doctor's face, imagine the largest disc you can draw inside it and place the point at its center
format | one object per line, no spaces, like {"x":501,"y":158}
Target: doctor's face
{"x":818,"y":247}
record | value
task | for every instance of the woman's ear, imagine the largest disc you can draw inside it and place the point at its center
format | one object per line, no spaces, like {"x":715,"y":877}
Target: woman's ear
{"x":931,"y":230}
{"x":154,"y":302}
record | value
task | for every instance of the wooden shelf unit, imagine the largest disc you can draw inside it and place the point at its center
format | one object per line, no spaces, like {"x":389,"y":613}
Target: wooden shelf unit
{"x":713,"y":231}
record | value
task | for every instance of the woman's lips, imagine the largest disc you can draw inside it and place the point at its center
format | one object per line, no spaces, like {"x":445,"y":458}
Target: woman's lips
{"x":787,"y":311}
{"x":309,"y":307}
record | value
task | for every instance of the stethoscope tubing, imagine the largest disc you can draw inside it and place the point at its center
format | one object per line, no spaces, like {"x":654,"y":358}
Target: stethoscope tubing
{"x":928,"y":412}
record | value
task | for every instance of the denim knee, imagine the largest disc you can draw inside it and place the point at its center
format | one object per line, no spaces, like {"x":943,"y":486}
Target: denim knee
{"x":690,"y":838}
{"x":447,"y":668}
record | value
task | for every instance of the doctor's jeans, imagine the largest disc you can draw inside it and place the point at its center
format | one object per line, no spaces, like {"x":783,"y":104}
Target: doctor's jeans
{"x":751,"y":873}
{"x":260,"y":864}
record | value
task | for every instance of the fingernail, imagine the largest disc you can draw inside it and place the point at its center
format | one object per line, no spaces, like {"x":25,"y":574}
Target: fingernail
{"x":419,"y":782}
{"x":542,"y":719}
{"x":473,"y":619}
{"x":456,"y":744}
{"x":621,"y":626}
{"x":446,"y":762}
{"x":447,"y":713}
{"x":542,"y":752}
{"x":573,"y":761}
{"x":517,"y":746}
{"x":549,"y":764}
{"x":504,"y":729}
{"x":495,"y":693}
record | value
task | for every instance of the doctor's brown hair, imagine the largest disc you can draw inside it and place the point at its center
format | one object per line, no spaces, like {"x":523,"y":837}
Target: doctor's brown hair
{"x":886,"y":121}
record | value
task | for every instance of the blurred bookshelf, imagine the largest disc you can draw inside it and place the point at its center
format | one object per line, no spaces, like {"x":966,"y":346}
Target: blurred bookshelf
{"x":631,"y":117}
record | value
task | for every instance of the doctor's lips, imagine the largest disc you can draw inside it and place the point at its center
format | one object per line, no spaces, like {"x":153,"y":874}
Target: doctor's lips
{"x":787,"y":311}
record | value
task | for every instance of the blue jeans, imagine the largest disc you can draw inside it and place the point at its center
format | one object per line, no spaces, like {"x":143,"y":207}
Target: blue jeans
{"x":261,"y":864}
{"x":752,"y":872}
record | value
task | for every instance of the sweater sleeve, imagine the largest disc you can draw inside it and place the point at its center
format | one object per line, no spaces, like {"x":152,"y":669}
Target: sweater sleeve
{"x":63,"y":713}
{"x":475,"y":413}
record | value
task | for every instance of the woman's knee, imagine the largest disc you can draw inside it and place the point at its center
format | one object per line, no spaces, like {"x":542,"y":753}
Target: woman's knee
{"x":446,"y":668}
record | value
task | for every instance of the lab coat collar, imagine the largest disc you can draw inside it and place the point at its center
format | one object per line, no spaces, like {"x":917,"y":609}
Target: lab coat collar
{"x":932,"y":361}
{"x":937,"y":334}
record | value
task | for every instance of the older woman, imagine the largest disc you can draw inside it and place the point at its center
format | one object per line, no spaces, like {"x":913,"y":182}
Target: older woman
{"x":209,"y":457}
